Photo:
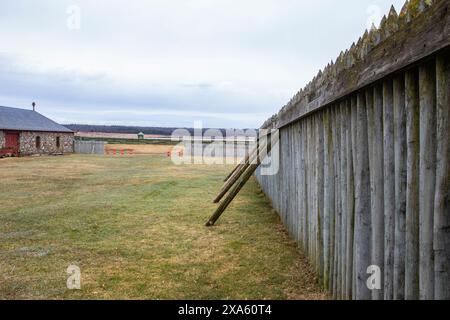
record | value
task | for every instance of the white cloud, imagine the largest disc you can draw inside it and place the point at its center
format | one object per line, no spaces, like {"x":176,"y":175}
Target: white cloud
{"x":171,"y":60}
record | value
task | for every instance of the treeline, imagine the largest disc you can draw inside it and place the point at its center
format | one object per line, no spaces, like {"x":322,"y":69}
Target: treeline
{"x":166,"y":131}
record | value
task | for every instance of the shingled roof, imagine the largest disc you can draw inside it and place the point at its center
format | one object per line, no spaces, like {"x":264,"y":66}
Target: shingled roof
{"x":27,"y":120}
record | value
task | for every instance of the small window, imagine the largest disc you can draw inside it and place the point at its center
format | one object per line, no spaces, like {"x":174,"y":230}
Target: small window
{"x":38,"y":142}
{"x":58,"y":143}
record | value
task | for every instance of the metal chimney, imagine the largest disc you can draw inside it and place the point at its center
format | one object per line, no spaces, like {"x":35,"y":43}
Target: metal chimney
{"x":34,"y":106}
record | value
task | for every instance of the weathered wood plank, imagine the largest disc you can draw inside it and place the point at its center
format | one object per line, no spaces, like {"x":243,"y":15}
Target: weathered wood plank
{"x":320,"y":193}
{"x":441,"y":241}
{"x":336,"y":251}
{"x":295,"y":173}
{"x":400,"y":186}
{"x":240,"y":184}
{"x":252,"y":158}
{"x":354,"y":128}
{"x":301,"y":188}
{"x":427,"y":96}
{"x":389,"y":189}
{"x":343,"y":196}
{"x":362,"y":190}
{"x":305,"y":188}
{"x":350,"y":201}
{"x":315,"y":191}
{"x":328,"y":197}
{"x":377,"y":181}
{"x":412,"y":185}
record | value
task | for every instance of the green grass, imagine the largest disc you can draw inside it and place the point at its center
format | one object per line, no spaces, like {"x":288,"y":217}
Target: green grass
{"x":135,"y":227}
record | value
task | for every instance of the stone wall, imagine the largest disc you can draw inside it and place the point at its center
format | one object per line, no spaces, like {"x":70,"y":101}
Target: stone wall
{"x":48,"y":143}
{"x":2,"y":139}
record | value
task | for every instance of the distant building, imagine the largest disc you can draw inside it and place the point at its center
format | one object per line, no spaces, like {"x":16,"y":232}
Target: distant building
{"x":27,"y":132}
{"x":141,"y":136}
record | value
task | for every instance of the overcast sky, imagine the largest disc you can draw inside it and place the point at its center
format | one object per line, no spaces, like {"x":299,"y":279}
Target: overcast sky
{"x":228,"y":63}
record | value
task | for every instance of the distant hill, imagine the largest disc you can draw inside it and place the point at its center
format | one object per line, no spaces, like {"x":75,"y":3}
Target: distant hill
{"x":166,"y":131}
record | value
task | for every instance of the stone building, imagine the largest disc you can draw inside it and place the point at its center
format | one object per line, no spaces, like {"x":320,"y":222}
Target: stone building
{"x":27,"y":132}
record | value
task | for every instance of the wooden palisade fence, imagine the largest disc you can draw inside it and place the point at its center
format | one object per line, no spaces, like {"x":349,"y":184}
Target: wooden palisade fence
{"x":364,"y":161}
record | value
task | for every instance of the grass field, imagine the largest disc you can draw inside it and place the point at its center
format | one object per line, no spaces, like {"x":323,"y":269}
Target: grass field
{"x":134,"y":225}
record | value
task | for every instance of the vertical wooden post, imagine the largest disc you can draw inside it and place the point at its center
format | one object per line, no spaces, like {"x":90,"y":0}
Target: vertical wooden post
{"x":389,"y":189}
{"x":400,"y":186}
{"x":309,"y":172}
{"x":288,"y":185}
{"x":320,"y":192}
{"x":298,"y":182}
{"x":354,"y":128}
{"x":350,"y":201}
{"x":363,"y":223}
{"x":296,"y":198}
{"x":305,"y":186}
{"x":377,"y":182}
{"x":307,"y":193}
{"x":293,"y":183}
{"x":282,"y":180}
{"x":279,"y":182}
{"x":310,"y":189}
{"x":412,"y":185}
{"x":312,"y":168}
{"x":427,"y":95}
{"x":331,"y":200}
{"x":336,"y":250}
{"x":301,"y":187}
{"x":328,"y":196}
{"x":316,"y":192}
{"x":442,"y":199}
{"x":343,"y":196}
{"x":339,"y":197}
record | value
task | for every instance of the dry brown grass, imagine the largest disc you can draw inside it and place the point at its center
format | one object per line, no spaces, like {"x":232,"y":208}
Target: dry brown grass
{"x":143,"y":148}
{"x":135,"y":227}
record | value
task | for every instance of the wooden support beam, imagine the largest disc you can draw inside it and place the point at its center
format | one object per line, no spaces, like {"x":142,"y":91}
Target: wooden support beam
{"x":237,"y":174}
{"x":243,"y":161}
{"x":241,"y":183}
{"x":233,"y":171}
